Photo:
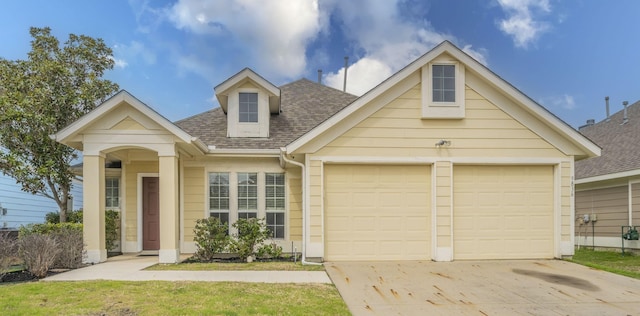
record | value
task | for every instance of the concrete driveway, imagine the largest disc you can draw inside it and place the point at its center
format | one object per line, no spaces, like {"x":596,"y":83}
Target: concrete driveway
{"x":507,"y":287}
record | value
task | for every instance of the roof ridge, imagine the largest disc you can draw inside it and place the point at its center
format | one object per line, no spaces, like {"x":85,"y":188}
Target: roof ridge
{"x":306,"y":80}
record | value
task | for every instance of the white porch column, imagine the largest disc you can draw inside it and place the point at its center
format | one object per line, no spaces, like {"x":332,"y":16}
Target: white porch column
{"x":169,"y":210}
{"x":93,"y":209}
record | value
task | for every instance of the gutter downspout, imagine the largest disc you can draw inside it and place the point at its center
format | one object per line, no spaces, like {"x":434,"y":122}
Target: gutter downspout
{"x":283,"y":157}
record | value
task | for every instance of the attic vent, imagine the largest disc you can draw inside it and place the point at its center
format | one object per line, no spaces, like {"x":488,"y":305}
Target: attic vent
{"x":590,"y":122}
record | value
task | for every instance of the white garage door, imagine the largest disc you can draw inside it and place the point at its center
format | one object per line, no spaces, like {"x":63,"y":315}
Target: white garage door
{"x":503,"y":212}
{"x":377,"y":212}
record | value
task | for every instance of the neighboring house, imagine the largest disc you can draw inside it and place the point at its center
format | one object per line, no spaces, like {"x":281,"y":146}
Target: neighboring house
{"x":23,"y":208}
{"x":442,"y":161}
{"x":609,"y":186}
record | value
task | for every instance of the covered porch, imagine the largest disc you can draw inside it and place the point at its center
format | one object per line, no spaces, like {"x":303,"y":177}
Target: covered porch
{"x":150,"y":149}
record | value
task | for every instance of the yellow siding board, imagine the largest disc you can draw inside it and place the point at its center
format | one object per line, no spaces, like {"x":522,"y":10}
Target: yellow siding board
{"x":194,"y":199}
{"x":398,"y":130}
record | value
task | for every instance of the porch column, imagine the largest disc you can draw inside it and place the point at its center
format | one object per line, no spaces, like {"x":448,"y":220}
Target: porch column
{"x":169,"y":210}
{"x":93,"y":209}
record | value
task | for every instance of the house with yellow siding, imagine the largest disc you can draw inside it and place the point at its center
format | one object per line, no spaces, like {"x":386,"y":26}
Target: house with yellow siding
{"x":442,"y":161}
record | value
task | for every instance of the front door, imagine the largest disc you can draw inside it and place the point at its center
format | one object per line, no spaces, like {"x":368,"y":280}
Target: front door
{"x":150,"y":214}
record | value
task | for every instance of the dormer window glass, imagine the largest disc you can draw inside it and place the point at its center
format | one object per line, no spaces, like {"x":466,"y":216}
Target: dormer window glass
{"x":248,"y":107}
{"x":444,"y":83}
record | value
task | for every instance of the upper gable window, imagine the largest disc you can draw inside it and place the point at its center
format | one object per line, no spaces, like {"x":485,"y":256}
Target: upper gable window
{"x":248,"y":107}
{"x":443,"y":85}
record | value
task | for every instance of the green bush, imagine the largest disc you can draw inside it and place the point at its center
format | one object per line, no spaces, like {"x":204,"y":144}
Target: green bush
{"x":111,"y":228}
{"x":211,"y":238}
{"x":251,"y":233}
{"x":72,"y":217}
{"x":47,"y":228}
{"x":112,"y":224}
{"x":269,"y":251}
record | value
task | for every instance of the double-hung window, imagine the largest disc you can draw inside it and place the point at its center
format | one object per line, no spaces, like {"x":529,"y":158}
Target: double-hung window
{"x":219,"y":196}
{"x":275,"y":204}
{"x":247,"y":195}
{"x":248,"y":107}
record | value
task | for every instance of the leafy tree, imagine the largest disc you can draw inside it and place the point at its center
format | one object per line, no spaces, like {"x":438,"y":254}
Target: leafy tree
{"x":41,"y":95}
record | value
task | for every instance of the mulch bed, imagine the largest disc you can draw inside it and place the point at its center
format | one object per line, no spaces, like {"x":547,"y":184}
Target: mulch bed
{"x":25,"y":276}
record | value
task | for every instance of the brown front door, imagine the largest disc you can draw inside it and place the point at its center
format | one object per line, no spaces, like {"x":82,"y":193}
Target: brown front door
{"x":150,"y":214}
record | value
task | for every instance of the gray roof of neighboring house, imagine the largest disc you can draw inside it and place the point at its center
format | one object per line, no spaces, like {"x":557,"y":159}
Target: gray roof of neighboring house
{"x":304,"y":103}
{"x":620,"y":144}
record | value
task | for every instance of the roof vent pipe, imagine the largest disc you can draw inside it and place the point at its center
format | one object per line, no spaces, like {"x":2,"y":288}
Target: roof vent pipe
{"x":320,"y":76}
{"x":606,"y":101}
{"x":346,"y":66}
{"x":590,"y":122}
{"x":625,"y":118}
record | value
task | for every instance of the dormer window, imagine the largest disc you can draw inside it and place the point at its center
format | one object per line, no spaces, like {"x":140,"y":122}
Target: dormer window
{"x":249,"y":101}
{"x":248,"y":107}
{"x":443,"y":85}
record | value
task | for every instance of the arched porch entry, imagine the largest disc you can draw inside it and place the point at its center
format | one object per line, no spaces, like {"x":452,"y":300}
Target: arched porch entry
{"x":149,"y":199}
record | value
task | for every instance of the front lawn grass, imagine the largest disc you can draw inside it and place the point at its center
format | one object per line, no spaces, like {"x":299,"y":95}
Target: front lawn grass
{"x":615,"y":262}
{"x":228,"y":266}
{"x":169,"y":298}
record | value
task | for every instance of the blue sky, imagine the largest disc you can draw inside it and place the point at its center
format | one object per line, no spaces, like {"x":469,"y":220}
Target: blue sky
{"x":567,"y":55}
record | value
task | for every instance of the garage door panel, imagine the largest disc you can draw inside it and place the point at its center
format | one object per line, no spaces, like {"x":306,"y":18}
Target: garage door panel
{"x":503,"y":212}
{"x":387,"y":208}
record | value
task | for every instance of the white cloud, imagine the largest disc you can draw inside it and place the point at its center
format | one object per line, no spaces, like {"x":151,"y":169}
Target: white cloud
{"x":522,"y":22}
{"x":563,"y":101}
{"x":148,"y":18}
{"x":387,"y":40}
{"x":275,"y":32}
{"x":363,"y":75}
{"x":119,"y":63}
{"x":135,"y":50}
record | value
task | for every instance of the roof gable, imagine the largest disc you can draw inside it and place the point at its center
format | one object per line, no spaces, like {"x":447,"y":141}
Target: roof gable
{"x":242,"y":77}
{"x":144,"y":118}
{"x":570,"y":141}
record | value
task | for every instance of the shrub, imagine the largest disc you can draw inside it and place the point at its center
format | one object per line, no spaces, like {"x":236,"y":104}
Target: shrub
{"x":8,"y":252}
{"x":72,"y":217}
{"x":39,"y":252}
{"x":68,"y":237}
{"x":111,"y":222}
{"x":251,"y":233}
{"x":71,"y":247}
{"x":47,"y":228}
{"x":111,"y":228}
{"x":211,"y":237}
{"x":269,"y":251}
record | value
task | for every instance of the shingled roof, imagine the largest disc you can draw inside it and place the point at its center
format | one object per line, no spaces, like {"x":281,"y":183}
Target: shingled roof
{"x":620,"y":144}
{"x":304,"y":105}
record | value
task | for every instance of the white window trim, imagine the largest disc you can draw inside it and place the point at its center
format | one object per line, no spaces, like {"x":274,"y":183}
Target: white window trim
{"x":283,"y":210}
{"x":435,"y":110}
{"x":208,"y":210}
{"x":233,"y":197}
{"x":115,"y":208}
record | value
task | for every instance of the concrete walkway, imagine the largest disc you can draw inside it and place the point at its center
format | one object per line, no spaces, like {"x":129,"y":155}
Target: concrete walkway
{"x":130,"y":268}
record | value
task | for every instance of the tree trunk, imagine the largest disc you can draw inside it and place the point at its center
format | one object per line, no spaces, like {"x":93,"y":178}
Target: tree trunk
{"x":62,"y":205}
